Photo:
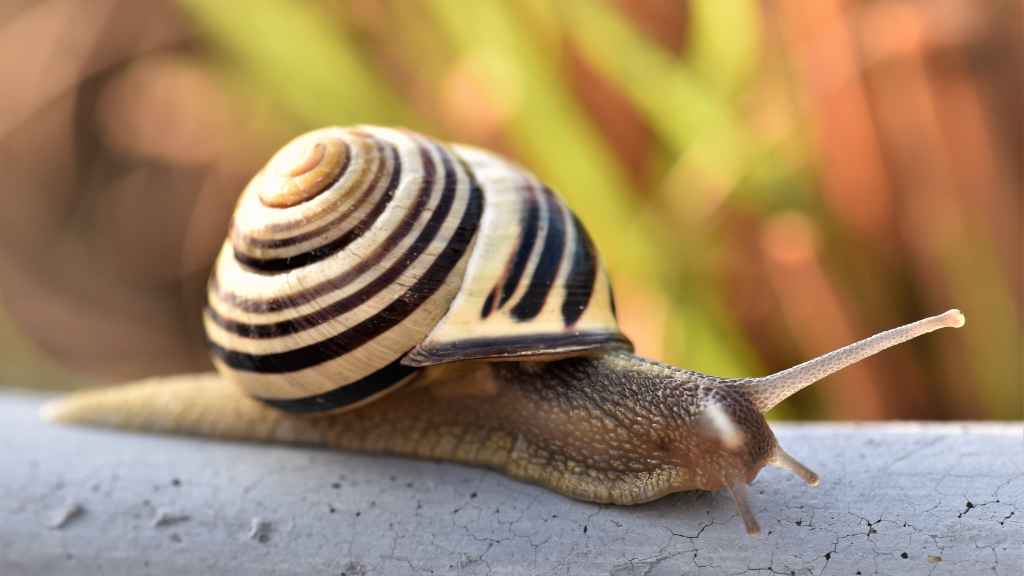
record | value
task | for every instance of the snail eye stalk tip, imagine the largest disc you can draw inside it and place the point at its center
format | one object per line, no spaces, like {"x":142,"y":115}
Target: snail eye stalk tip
{"x":769,"y":391}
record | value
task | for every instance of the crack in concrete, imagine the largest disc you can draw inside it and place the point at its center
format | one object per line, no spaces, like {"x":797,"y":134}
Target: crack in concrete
{"x":695,"y":536}
{"x":917,"y":450}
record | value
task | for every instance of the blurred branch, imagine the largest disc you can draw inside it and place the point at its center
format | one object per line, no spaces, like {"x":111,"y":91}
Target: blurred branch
{"x":686,"y":112}
{"x":706,"y":134}
{"x":726,"y":42}
{"x":296,"y":54}
{"x":549,"y":131}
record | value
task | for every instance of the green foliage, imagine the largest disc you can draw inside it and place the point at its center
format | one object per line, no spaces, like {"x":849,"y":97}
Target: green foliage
{"x":294,"y":53}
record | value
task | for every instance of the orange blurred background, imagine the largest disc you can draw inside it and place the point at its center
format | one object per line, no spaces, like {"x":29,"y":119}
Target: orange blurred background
{"x":765,"y":180}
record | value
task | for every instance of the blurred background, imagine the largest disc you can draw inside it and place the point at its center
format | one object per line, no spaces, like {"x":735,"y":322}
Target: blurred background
{"x":767,"y":180}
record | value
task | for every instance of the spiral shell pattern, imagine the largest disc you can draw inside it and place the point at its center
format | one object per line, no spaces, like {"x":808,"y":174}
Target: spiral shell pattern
{"x":327,"y":280}
{"x":358,"y":255}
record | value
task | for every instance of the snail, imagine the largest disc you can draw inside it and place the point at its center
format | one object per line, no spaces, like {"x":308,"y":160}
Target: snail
{"x":382,"y":291}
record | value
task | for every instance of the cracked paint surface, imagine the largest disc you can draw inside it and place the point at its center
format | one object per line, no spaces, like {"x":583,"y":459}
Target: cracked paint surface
{"x":894,"y":499}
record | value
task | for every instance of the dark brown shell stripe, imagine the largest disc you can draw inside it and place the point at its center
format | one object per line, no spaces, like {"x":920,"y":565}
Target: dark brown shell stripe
{"x":579,"y":284}
{"x":356,"y":271}
{"x":337,"y":225}
{"x":351,"y":394}
{"x":362,"y":148}
{"x":338,"y":282}
{"x":529,"y":223}
{"x":319,"y":322}
{"x":318,"y":352}
{"x":331,"y":237}
{"x":395,"y":372}
{"x":533,"y":286}
{"x":548,"y":265}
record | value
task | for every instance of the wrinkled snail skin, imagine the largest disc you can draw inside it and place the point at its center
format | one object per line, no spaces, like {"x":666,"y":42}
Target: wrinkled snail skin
{"x":610,"y":428}
{"x":384,"y":292}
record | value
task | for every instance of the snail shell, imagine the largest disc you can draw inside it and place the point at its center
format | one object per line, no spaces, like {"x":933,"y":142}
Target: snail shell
{"x":359,"y":255}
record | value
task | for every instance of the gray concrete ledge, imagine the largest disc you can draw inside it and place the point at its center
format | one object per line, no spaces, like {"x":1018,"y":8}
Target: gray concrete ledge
{"x":894,"y":499}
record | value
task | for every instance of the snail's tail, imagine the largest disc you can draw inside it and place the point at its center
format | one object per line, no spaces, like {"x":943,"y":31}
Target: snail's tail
{"x":769,"y":391}
{"x":195,"y":404}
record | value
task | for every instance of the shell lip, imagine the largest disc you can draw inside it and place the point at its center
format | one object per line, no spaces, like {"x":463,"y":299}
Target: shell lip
{"x":516,"y":347}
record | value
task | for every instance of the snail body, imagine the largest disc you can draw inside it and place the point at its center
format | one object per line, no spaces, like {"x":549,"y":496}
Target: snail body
{"x":441,"y":302}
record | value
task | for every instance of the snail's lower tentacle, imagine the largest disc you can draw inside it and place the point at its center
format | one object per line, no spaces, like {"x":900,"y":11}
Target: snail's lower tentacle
{"x":739,"y":494}
{"x":783,"y":460}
